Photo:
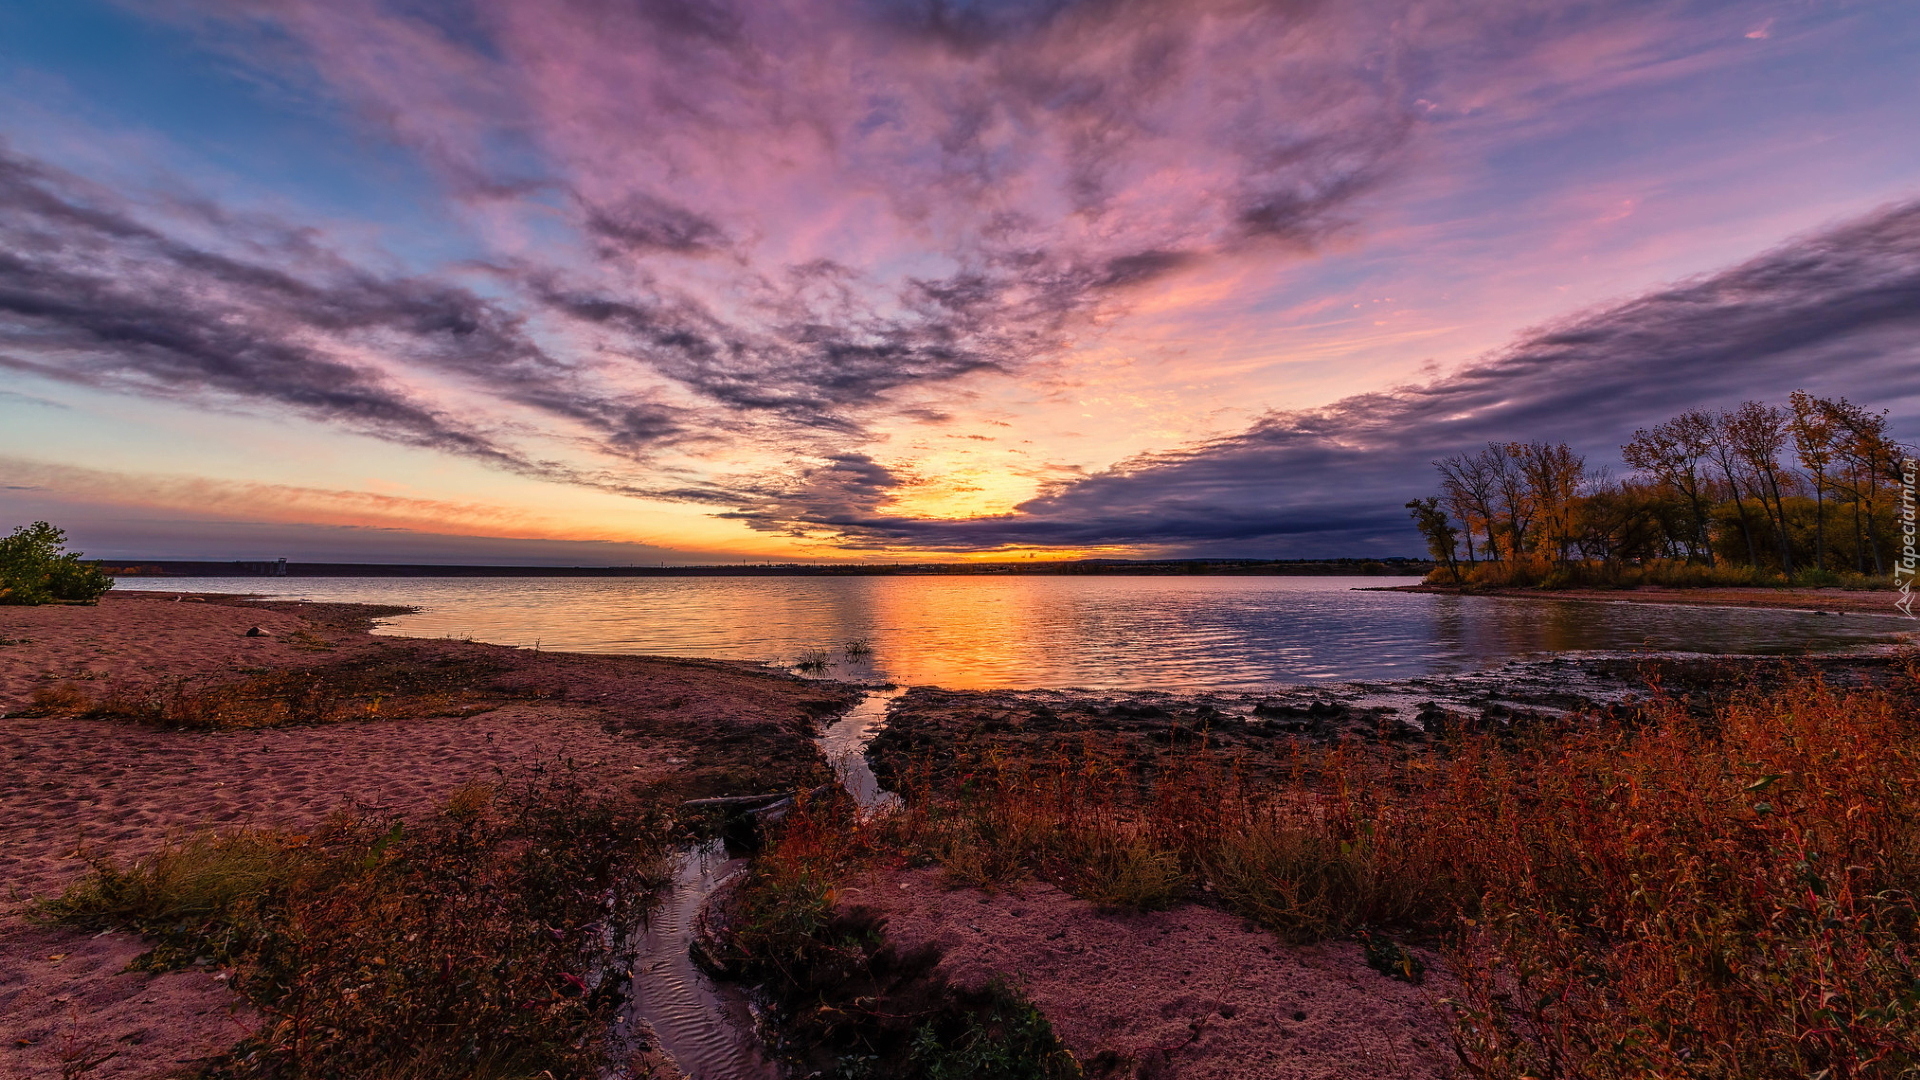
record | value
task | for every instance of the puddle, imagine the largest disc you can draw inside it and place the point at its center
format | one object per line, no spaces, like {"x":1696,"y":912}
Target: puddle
{"x":707,"y":1029}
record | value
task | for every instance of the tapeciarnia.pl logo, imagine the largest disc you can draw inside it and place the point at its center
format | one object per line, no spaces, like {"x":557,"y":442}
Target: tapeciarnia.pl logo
{"x":1903,"y":568}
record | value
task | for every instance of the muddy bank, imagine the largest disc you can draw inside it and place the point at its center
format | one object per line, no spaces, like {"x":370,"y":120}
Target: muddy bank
{"x":408,"y":722}
{"x":932,"y":733}
{"x":1851,"y":601}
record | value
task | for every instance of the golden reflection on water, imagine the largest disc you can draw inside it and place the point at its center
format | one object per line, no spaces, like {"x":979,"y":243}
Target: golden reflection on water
{"x":1006,"y":631}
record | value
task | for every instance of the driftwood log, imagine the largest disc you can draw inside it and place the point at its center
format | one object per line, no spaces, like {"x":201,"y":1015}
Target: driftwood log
{"x":746,"y":801}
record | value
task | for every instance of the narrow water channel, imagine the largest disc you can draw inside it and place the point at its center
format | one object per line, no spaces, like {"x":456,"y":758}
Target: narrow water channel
{"x":708,"y":1029}
{"x":844,"y":745}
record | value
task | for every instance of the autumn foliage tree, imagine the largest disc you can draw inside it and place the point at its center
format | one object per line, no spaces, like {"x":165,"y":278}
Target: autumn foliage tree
{"x":1804,"y":491}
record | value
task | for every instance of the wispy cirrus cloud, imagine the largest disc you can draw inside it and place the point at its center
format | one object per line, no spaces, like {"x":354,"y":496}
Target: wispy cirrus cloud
{"x":776,"y":221}
{"x":723,"y":247}
{"x":90,"y":293}
{"x":805,"y":213}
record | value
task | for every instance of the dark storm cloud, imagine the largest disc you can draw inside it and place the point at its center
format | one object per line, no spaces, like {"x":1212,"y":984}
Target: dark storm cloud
{"x":88,"y":295}
{"x":1835,"y":313}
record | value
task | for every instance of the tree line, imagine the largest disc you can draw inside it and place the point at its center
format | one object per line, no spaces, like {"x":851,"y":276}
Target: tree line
{"x":1805,"y":491}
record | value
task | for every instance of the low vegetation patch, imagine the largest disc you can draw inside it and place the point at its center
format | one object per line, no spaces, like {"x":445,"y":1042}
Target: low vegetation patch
{"x":1721,"y":892}
{"x":391,"y":684}
{"x":846,"y":1003}
{"x":477,"y":943}
{"x":1541,"y":573}
{"x":813,"y":661}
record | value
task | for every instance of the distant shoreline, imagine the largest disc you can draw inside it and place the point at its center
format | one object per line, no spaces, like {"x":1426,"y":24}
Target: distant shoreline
{"x":1850,"y":601}
{"x":1395,"y":567}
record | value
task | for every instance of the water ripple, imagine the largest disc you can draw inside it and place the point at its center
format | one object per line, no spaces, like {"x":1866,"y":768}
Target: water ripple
{"x":1059,"y":632}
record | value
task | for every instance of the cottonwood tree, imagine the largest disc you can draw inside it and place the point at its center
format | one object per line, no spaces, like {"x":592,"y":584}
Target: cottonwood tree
{"x":1468,"y":487}
{"x":1553,"y":473}
{"x":1758,"y":432}
{"x":1676,"y":455}
{"x":1732,"y":468}
{"x":1814,"y":432}
{"x":1512,"y":496}
{"x":1442,"y":538}
{"x":1869,"y":468}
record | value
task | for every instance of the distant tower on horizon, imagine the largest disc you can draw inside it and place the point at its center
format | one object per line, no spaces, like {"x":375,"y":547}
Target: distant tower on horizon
{"x":280,"y":568}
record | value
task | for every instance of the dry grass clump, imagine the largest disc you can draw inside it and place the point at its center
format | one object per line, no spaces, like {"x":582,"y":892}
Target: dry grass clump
{"x":1728,"y":895}
{"x":388,"y":685}
{"x":479,"y":942}
{"x":179,"y":888}
{"x":1732,"y":897}
{"x":1305,"y":858}
{"x":63,"y":700}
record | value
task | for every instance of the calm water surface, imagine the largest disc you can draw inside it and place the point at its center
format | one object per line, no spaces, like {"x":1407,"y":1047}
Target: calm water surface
{"x":978,"y":632}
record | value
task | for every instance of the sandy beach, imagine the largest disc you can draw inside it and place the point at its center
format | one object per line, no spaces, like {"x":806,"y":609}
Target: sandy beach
{"x":75,"y":790}
{"x":1191,"y":992}
{"x":1119,"y":988}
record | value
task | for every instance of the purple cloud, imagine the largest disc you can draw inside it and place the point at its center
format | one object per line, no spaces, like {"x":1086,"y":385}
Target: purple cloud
{"x":1836,"y":312}
{"x":714,"y":234}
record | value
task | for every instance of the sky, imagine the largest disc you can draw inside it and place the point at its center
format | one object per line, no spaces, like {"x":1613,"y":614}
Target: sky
{"x":684,"y":281}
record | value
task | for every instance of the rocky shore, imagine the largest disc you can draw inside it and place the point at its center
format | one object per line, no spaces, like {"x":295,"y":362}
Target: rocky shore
{"x":932,"y":732}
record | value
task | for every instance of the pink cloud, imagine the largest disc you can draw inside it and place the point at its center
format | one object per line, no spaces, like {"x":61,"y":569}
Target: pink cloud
{"x":723,"y":233}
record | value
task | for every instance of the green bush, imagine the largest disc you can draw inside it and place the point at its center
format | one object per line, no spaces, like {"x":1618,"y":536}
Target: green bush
{"x":34,"y":569}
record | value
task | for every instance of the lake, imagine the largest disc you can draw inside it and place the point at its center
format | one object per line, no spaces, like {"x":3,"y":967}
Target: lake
{"x":1058,"y":632}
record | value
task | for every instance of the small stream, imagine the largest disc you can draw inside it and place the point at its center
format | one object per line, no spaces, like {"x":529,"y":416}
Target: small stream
{"x":708,"y":1029}
{"x":845,"y":745}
